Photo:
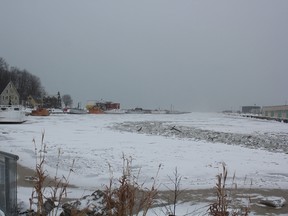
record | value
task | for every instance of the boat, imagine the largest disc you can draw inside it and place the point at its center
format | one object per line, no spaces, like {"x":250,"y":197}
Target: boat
{"x":101,"y":107}
{"x":12,"y":114}
{"x":40,"y":111}
{"x":55,"y":111}
{"x":77,"y":111}
{"x":115,"y":111}
{"x":95,"y":110}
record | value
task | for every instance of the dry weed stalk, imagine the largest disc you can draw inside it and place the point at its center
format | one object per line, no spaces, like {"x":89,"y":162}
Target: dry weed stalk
{"x":126,"y":196}
{"x":46,"y":205}
{"x":175,"y":191}
{"x":221,"y":206}
{"x":148,"y":195}
{"x":38,"y":192}
{"x":59,"y":187}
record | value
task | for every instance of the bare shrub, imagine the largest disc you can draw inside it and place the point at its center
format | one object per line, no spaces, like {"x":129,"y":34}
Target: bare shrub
{"x":175,"y":192}
{"x":40,"y":203}
{"x":223,"y":204}
{"x":125,"y":196}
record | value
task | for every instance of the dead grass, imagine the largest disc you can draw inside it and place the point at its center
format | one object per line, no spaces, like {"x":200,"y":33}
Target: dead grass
{"x":222,"y":207}
{"x":46,"y":197}
{"x":125,"y":196}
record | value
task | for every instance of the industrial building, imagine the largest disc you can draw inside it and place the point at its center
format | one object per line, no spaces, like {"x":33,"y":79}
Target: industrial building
{"x":251,"y":109}
{"x":276,"y":112}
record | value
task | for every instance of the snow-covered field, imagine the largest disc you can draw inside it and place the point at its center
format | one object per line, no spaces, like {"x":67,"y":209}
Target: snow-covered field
{"x":196,"y":143}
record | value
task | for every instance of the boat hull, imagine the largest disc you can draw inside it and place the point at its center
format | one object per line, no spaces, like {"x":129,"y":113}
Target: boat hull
{"x":40,"y":112}
{"x":115,"y":111}
{"x":95,"y":110}
{"x":77,"y":111}
{"x":12,"y":114}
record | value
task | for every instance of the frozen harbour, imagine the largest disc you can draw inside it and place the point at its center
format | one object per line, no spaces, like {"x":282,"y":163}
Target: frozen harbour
{"x":196,"y":143}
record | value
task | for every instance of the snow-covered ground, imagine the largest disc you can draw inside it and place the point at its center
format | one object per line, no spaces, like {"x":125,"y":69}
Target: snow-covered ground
{"x":196,"y":143}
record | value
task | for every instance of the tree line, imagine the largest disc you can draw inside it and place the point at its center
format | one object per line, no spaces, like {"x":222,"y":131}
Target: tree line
{"x":25,"y":82}
{"x":28,"y":84}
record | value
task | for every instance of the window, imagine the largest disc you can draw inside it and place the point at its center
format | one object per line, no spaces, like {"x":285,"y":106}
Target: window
{"x":280,"y":114}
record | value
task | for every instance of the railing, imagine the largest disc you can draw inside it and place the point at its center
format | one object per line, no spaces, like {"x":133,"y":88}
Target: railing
{"x":8,"y":183}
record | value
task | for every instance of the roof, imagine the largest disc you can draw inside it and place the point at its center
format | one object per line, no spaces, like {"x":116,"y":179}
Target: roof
{"x":2,"y":87}
{"x":8,"y":155}
{"x":275,"y":108}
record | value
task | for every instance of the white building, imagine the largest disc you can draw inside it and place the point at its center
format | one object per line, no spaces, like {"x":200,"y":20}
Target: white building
{"x":9,"y":95}
{"x":277,"y":112}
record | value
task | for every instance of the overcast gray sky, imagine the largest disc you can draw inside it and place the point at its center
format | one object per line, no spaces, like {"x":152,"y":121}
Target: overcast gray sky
{"x":193,"y":55}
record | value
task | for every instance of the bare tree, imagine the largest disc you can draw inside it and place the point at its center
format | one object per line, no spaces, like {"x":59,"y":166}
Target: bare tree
{"x":67,"y":100}
{"x":3,"y":65}
{"x":25,"y":82}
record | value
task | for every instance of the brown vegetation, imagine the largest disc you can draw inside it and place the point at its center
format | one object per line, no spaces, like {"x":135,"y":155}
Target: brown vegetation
{"x":124,"y":196}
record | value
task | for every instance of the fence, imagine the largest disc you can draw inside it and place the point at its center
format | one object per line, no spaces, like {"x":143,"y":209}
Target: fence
{"x":8,"y":183}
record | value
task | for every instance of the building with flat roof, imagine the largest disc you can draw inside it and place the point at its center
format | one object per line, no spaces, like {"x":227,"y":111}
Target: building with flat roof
{"x":251,"y":109}
{"x":277,"y":112}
